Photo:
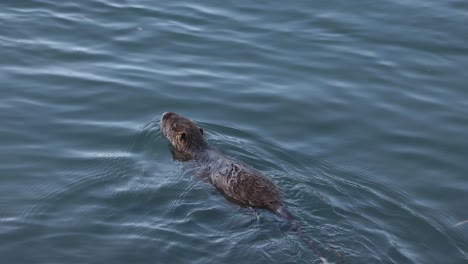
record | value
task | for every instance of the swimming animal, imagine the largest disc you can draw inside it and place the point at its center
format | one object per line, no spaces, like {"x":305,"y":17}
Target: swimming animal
{"x":238,"y":182}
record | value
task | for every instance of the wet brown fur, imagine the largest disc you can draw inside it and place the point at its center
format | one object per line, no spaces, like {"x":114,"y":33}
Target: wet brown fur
{"x":238,"y":182}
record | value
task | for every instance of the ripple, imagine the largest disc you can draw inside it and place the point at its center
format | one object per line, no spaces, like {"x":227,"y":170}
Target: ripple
{"x":357,"y":111}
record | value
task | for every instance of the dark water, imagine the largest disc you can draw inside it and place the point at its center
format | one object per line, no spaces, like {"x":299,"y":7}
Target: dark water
{"x":357,"y":109}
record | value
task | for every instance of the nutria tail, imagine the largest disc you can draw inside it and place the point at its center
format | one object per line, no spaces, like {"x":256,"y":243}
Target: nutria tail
{"x":287,"y":215}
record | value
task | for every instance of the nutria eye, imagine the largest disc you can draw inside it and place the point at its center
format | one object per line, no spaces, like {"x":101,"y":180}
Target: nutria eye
{"x":183,"y":137}
{"x":201,"y":131}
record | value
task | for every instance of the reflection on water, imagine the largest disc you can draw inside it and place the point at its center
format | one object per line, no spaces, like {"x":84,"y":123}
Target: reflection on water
{"x":356,"y":110}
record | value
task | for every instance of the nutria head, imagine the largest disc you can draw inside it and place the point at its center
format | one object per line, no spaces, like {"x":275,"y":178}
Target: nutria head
{"x":183,"y":134}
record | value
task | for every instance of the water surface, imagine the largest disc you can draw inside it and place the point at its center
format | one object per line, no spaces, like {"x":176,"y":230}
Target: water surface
{"x":357,"y":110}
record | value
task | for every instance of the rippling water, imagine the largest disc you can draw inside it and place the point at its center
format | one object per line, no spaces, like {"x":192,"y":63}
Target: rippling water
{"x":356,"y":109}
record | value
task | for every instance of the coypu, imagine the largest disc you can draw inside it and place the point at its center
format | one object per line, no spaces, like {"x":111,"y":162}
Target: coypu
{"x":238,"y":182}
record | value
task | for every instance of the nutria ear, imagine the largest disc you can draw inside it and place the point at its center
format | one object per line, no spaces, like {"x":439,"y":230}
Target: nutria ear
{"x":183,"y":137}
{"x":201,"y":131}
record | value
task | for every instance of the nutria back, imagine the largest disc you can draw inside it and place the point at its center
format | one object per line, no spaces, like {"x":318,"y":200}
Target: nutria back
{"x":237,"y":181}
